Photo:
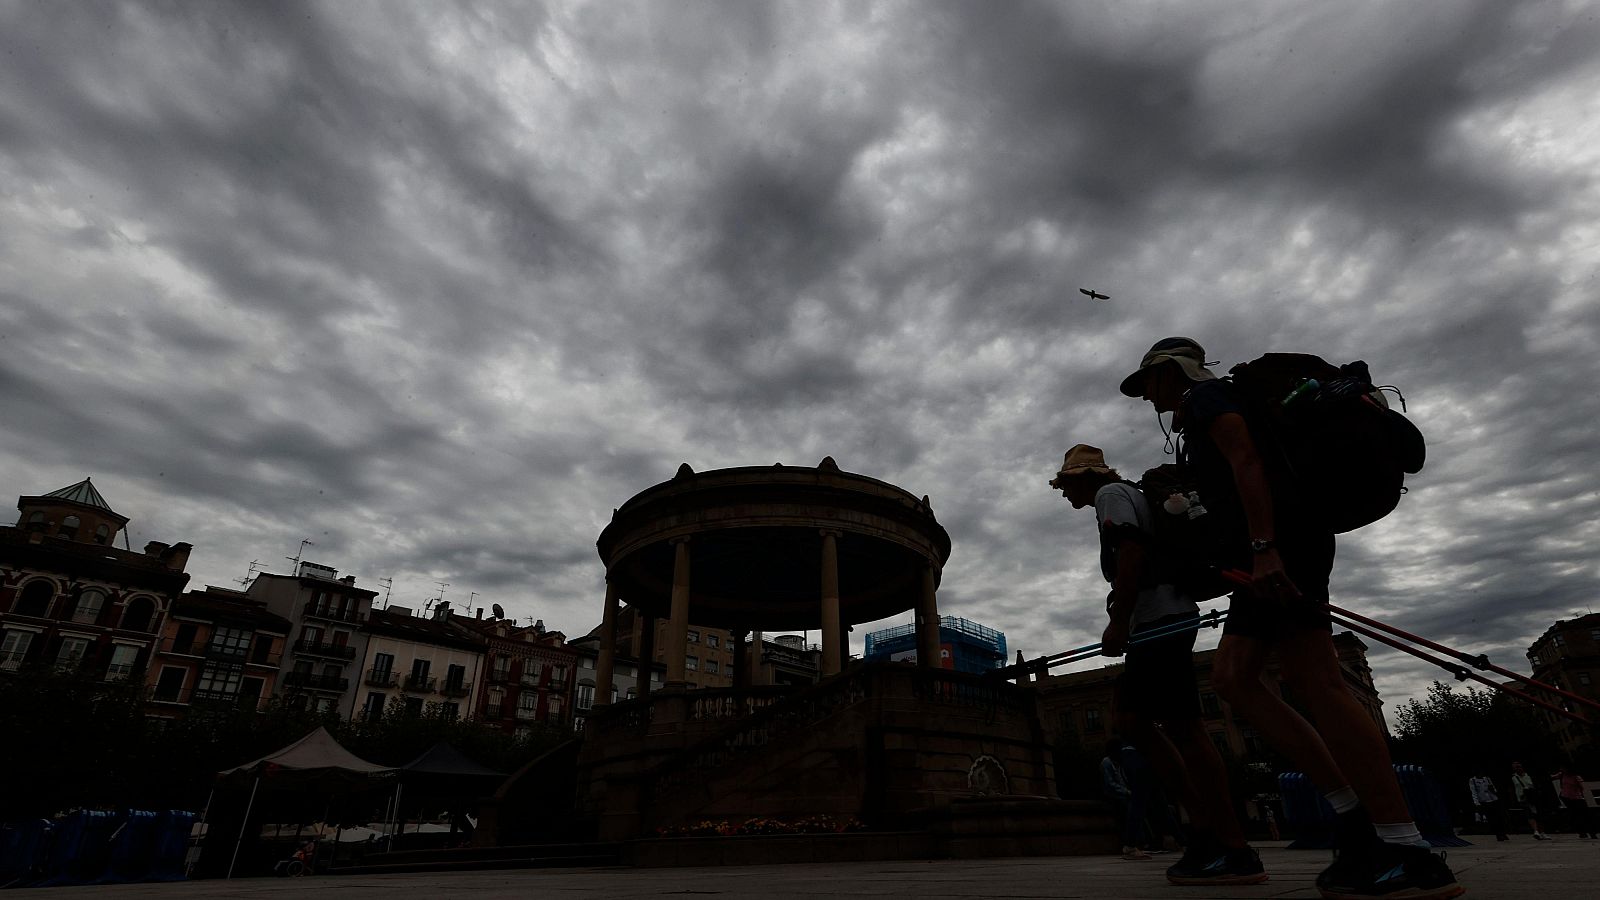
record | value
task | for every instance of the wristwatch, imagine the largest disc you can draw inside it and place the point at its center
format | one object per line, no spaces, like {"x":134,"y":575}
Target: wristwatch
{"x":1261,"y":545}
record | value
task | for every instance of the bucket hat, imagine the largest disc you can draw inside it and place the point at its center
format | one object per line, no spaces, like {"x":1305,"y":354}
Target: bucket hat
{"x":1080,"y":459}
{"x":1186,"y":352}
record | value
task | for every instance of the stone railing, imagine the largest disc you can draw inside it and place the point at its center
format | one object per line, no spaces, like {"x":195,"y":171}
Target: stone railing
{"x":779,"y":718}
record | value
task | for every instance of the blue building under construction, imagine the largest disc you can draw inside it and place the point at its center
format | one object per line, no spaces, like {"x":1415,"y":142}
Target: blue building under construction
{"x":963,"y":646}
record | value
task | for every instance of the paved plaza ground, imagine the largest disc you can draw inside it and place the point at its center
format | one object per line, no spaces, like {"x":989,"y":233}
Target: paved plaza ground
{"x":1568,"y":869}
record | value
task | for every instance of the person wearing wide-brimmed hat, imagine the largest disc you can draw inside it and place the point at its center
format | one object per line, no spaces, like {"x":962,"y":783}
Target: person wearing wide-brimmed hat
{"x":1277,"y":539}
{"x":1157,"y":683}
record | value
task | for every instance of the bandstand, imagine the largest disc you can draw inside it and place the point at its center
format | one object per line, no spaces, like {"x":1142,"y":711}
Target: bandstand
{"x":914,"y":749}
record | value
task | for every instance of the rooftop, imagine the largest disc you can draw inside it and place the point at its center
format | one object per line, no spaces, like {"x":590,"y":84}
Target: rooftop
{"x":83,"y":492}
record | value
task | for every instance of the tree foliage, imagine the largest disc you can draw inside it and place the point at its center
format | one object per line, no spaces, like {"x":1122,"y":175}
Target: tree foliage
{"x":1456,"y":734}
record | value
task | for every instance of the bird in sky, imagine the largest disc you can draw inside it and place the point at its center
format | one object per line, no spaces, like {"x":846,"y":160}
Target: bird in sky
{"x":1092,"y":295}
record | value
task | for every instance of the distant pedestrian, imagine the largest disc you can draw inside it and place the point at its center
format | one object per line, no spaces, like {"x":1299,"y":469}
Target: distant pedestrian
{"x":1272,"y":825}
{"x":1486,"y":800}
{"x":1116,"y":790}
{"x":1572,"y":797}
{"x":1523,"y":788}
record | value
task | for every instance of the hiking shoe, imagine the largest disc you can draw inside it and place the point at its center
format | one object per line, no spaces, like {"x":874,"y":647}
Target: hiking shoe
{"x":1131,"y":852}
{"x":1415,"y":873}
{"x":1217,"y":865}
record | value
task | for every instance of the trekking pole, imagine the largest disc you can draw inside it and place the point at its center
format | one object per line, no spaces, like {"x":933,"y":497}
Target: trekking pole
{"x":1210,"y":619}
{"x":1481,"y":661}
{"x":1462,"y":673}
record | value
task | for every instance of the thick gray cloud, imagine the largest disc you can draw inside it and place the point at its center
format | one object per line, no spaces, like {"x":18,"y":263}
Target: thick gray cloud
{"x":436,"y":289}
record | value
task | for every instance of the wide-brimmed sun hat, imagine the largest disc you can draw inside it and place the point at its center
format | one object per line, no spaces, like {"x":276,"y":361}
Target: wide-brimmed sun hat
{"x":1080,"y":459}
{"x":1186,"y":352}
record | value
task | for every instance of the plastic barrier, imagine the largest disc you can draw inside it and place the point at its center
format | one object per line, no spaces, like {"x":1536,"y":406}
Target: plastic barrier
{"x":1427,"y":804}
{"x":96,"y":847}
{"x":22,"y":851}
{"x":1306,"y":812}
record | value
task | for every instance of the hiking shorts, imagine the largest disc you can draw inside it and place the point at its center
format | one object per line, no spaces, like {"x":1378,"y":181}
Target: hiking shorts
{"x":1308,"y":559}
{"x":1157,"y":680}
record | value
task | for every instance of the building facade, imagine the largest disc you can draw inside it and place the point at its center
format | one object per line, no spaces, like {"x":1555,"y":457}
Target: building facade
{"x":218,"y":648}
{"x":626,"y":674}
{"x":326,"y":613}
{"x":528,"y":675}
{"x":72,"y":600}
{"x":708,"y":661}
{"x":424,"y":665}
{"x":964,"y":645}
{"x":1567,"y":656}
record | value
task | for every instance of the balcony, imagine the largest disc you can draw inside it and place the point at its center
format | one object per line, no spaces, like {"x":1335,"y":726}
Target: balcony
{"x":456,"y":688}
{"x":526,"y":715}
{"x":501,"y":676}
{"x":11,"y":660}
{"x":325,"y":648}
{"x":530,"y":679}
{"x":183,"y":648}
{"x":382,"y":678}
{"x":421,"y":684}
{"x":352,"y":613}
{"x":492,"y":711}
{"x":118,"y":671}
{"x":316,"y":682}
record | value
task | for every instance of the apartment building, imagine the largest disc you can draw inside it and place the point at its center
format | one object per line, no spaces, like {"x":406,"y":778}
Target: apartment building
{"x":71,"y":599}
{"x":529,"y":674}
{"x":425,"y":665}
{"x":218,"y":647}
{"x":1567,"y":656}
{"x":326,"y":613}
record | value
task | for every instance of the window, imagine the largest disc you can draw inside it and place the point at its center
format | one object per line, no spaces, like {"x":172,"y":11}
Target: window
{"x":449,"y":711}
{"x":122,"y":659}
{"x":711,"y":666}
{"x":71,"y":654}
{"x":1583,"y":678}
{"x":69,"y":528}
{"x":102,"y":535}
{"x":1210,"y":704}
{"x":413,"y":706}
{"x":14,"y":649}
{"x":712,"y":641}
{"x":331,"y":673}
{"x":633,"y":692}
{"x":311,"y":635}
{"x":502,"y":668}
{"x":87,"y":610}
{"x":1091,"y":721}
{"x":455,"y":677}
{"x":559,"y":673}
{"x":692,"y":663}
{"x":1561,"y":641}
{"x":1594,"y":634}
{"x":586,"y":663}
{"x":585,"y":696}
{"x":138,"y":614}
{"x":218,"y":680}
{"x":527,"y":704}
{"x":613,"y":693}
{"x":382,"y":664}
{"x":694,"y":636}
{"x":262,"y":650}
{"x":35,"y":599}
{"x":170,"y":685}
{"x":250,"y":692}
{"x":373,"y":710}
{"x":230,"y":642}
{"x":1220,"y":741}
{"x":36,"y":522}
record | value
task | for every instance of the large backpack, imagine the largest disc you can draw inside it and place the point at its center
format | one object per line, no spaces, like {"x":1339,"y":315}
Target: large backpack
{"x":1188,"y":545}
{"x":1346,"y":452}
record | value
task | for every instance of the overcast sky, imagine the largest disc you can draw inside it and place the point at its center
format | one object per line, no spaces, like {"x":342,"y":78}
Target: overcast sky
{"x":437,"y":286}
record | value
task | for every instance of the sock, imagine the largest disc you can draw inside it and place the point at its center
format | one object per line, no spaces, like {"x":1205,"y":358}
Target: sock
{"x":1343,"y":800}
{"x":1403,"y":833}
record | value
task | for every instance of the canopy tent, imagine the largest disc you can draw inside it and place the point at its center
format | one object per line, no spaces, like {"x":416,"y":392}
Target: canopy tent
{"x":315,"y":762}
{"x":445,"y":761}
{"x":316,"y":753}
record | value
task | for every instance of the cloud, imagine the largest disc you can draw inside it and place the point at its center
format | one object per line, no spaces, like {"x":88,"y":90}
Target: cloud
{"x":437,"y":288}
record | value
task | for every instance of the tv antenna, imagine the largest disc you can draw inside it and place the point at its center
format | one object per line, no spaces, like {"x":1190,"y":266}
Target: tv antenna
{"x":442,"y":585}
{"x":298,"y":553}
{"x":255,"y":565}
{"x":387,"y":583}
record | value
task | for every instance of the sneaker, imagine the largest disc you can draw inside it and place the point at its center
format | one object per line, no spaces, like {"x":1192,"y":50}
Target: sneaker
{"x":1131,"y":852}
{"x":1218,"y":865}
{"x":1415,"y":873}
{"x":1541,"y":836}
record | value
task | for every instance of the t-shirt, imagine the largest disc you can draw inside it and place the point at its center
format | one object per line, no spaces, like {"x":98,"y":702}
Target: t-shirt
{"x":1119,"y":506}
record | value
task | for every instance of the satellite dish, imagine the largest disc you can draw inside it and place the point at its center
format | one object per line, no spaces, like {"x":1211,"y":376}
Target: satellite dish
{"x":498,"y":612}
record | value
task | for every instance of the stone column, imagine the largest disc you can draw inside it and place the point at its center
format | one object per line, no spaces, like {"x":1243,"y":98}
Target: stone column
{"x":608,"y":647}
{"x":678,"y":625}
{"x":831,"y":655}
{"x":647,"y":653}
{"x":928,"y":622}
{"x":741,"y":661}
{"x":1022,"y":673}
